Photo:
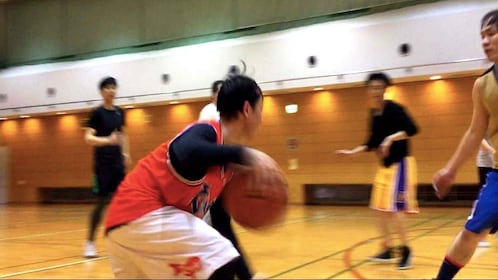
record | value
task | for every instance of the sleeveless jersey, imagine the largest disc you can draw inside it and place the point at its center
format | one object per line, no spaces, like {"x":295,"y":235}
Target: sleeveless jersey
{"x":490,"y":101}
{"x":154,"y":183}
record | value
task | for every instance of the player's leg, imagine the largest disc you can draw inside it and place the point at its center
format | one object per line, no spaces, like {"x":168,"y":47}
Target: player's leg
{"x":405,"y":191}
{"x":404,"y":249}
{"x":483,"y":173}
{"x":221,"y":221}
{"x":106,"y":182}
{"x":168,"y":244}
{"x":100,"y":181}
{"x":483,"y":219}
{"x":381,"y":201}
{"x":459,"y":254}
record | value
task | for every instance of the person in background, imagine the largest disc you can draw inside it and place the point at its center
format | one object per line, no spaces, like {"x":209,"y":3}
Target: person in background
{"x":210,"y":112}
{"x":395,"y":185}
{"x":106,"y":133}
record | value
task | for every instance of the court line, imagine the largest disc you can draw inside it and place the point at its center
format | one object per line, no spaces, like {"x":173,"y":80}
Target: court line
{"x":347,"y":256}
{"x":344,"y":250}
{"x":51,"y":267}
{"x":40,"y":234}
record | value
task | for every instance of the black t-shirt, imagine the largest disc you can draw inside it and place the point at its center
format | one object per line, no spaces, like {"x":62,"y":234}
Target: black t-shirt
{"x":393,"y":119}
{"x":105,"y":121}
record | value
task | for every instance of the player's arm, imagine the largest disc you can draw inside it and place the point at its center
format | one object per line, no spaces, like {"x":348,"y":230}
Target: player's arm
{"x":193,"y":152}
{"x":468,"y":145}
{"x":367,"y":146}
{"x":125,"y":146}
{"x":357,"y":149}
{"x":92,"y":139}
{"x":487,"y":147}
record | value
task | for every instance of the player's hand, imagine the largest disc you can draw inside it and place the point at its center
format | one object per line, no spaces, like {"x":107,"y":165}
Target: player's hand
{"x":442,"y":182}
{"x":114,"y":138}
{"x":266,"y":171}
{"x":344,"y":152}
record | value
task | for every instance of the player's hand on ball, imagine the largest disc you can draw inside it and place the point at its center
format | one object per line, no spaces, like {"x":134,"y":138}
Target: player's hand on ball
{"x":264,"y":168}
{"x":442,"y":182}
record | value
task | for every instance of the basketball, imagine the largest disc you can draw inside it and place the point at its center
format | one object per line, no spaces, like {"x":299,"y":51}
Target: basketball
{"x":256,"y":206}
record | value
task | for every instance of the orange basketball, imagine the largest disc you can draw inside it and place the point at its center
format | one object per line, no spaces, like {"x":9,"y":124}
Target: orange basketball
{"x":256,"y":207}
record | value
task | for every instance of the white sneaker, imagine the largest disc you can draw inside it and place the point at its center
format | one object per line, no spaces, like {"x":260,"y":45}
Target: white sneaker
{"x":483,"y":244}
{"x":90,"y":251}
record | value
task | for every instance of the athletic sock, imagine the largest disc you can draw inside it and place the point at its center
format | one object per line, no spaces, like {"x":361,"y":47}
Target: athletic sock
{"x":449,"y":268}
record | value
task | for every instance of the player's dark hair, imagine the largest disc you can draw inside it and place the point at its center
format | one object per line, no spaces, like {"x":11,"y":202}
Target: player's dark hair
{"x":379,"y":76}
{"x":216,"y":86}
{"x":234,"y":92}
{"x":107,"y":81}
{"x":491,"y":18}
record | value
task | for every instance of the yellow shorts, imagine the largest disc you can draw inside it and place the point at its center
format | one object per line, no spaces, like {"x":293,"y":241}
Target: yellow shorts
{"x":395,"y":187}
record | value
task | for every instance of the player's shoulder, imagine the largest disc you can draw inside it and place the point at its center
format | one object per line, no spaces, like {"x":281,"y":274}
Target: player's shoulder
{"x":96,"y":110}
{"x":393,"y":105}
{"x":488,"y":71}
{"x":485,"y":77}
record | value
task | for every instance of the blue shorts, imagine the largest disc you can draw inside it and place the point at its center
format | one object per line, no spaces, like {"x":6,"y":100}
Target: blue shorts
{"x":484,"y":214}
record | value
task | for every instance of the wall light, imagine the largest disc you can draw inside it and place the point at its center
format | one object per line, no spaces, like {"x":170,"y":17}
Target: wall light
{"x":129,"y":106}
{"x":318,"y":88}
{"x":291,"y":108}
{"x":24,"y":116}
{"x":174,"y":102}
{"x":436,"y":77}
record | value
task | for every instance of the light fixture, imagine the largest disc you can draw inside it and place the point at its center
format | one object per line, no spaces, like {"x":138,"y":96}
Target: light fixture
{"x":129,"y":106}
{"x":318,"y":88}
{"x":3,"y":119}
{"x":24,"y":116}
{"x":435,"y":77}
{"x":291,"y":108}
{"x":174,"y":102}
{"x":60,"y":113}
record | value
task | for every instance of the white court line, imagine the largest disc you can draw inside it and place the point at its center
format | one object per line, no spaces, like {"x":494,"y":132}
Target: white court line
{"x":41,"y":234}
{"x":50,"y":267}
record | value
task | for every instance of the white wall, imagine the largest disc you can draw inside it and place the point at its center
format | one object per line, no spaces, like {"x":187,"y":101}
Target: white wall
{"x":444,"y":37}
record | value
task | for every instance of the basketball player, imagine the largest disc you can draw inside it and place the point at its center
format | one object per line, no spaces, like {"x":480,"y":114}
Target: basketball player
{"x":105,"y":132}
{"x":217,"y":216}
{"x":394,"y":188}
{"x":151,"y":228}
{"x":484,"y":215}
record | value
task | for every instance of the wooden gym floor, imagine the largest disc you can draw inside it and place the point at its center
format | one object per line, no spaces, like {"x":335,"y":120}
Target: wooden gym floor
{"x":318,"y":242}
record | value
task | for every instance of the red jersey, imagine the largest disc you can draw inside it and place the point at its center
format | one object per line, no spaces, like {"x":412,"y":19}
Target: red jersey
{"x":154,"y":183}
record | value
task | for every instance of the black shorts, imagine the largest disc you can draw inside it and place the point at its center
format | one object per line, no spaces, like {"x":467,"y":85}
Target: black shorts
{"x":106,"y":179}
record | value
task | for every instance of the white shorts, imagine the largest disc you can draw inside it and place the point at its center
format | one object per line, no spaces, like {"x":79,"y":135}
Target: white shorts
{"x":168,"y":243}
